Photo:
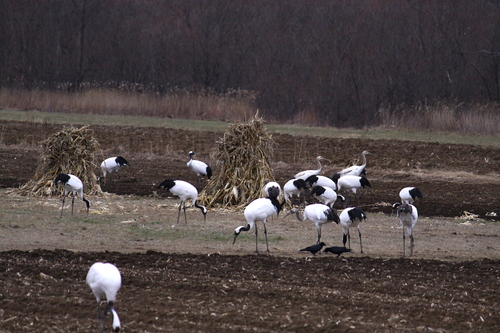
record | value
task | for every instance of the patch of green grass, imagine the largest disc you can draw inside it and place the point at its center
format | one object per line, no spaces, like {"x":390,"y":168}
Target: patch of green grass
{"x":220,"y":126}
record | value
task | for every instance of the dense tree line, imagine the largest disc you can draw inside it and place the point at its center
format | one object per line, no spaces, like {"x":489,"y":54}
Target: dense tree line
{"x":339,"y":60}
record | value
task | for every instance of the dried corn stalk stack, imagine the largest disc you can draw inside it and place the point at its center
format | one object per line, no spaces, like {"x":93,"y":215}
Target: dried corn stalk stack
{"x":242,"y":167}
{"x":68,"y":151}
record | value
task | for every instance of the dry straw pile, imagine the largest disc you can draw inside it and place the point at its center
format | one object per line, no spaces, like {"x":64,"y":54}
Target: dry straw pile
{"x":242,"y":167}
{"x":71,"y":151}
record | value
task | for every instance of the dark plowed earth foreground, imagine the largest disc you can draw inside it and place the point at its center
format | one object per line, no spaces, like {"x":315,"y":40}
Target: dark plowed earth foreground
{"x":214,"y":293}
{"x":45,"y":291}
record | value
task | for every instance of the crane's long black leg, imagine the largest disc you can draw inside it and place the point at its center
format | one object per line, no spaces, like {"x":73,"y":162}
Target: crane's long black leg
{"x":404,"y":238}
{"x":411,"y":245}
{"x":62,"y":207}
{"x":265,"y":233}
{"x":118,"y":181}
{"x":256,"y":239}
{"x":179,"y":213}
{"x":344,"y":239}
{"x":72,"y":203}
{"x":319,"y":235}
{"x":360,"y":244}
{"x":185,"y":217}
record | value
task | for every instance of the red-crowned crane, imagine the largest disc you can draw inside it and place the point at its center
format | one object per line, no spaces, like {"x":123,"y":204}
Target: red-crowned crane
{"x":326,"y":195}
{"x":409,"y":194}
{"x":186,"y":192}
{"x":319,"y":214}
{"x":294,"y":187}
{"x":258,"y":210}
{"x":352,"y":183}
{"x":272,"y":190}
{"x":112,"y":164}
{"x":198,"y":167}
{"x":351,"y":217}
{"x":305,"y":174}
{"x":72,"y":184}
{"x":321,"y":181}
{"x":356,"y":170}
{"x":105,"y":280}
{"x":408,"y":216}
{"x":314,"y":248}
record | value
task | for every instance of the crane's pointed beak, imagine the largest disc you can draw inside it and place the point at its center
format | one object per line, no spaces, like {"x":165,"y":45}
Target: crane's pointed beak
{"x":235,"y":236}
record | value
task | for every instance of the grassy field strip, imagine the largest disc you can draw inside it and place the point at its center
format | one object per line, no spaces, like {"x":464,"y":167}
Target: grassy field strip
{"x":219,"y":126}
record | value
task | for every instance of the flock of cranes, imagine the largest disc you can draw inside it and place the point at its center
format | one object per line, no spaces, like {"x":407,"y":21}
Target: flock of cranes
{"x":105,"y":280}
{"x":325,"y":190}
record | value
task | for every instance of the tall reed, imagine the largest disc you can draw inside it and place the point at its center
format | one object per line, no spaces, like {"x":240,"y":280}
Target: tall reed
{"x":185,"y":104}
{"x":477,"y":119}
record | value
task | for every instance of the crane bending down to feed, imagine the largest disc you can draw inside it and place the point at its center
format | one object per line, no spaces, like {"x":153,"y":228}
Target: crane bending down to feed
{"x":198,"y":167}
{"x":105,"y":280}
{"x":185,"y":192}
{"x":72,"y":184}
{"x":258,"y":210}
{"x":352,"y":183}
{"x":112,"y":164}
{"x":409,"y":194}
{"x":356,"y":170}
{"x":408,"y":216}
{"x":294,"y":187}
{"x":326,"y":195}
{"x":351,"y":217}
{"x":318,"y":214}
{"x":316,"y":180}
{"x":272,"y":190}
{"x":307,"y":173}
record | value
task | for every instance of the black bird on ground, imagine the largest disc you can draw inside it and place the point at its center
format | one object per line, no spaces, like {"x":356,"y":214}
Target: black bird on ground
{"x":338,"y":250}
{"x":314,"y":248}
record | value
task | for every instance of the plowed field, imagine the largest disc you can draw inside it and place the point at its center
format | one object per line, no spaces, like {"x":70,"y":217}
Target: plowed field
{"x":189,"y":277}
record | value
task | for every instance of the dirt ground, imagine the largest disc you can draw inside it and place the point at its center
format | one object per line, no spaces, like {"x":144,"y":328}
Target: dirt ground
{"x":189,"y":277}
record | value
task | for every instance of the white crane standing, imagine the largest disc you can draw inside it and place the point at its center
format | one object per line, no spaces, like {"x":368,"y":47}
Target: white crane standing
{"x":351,"y":217}
{"x":408,"y":216}
{"x":409,"y":194}
{"x":185,"y":191}
{"x":319,"y":214}
{"x":105,"y":280}
{"x":356,"y":170}
{"x":112,"y":164}
{"x":198,"y":167}
{"x":258,"y":210}
{"x":72,"y":184}
{"x":305,"y":174}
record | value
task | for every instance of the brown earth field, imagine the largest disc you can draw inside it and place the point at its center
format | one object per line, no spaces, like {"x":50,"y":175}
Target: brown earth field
{"x":189,"y":277}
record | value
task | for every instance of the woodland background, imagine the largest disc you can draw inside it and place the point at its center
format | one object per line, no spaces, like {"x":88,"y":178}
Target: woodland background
{"x":326,"y":62}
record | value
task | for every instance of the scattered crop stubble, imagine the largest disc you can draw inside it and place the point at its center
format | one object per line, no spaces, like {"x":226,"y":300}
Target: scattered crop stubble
{"x":137,"y":224}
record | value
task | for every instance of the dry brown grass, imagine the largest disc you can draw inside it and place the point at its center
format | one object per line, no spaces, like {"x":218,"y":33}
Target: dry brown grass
{"x":183,"y":104}
{"x":478,"y":119}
